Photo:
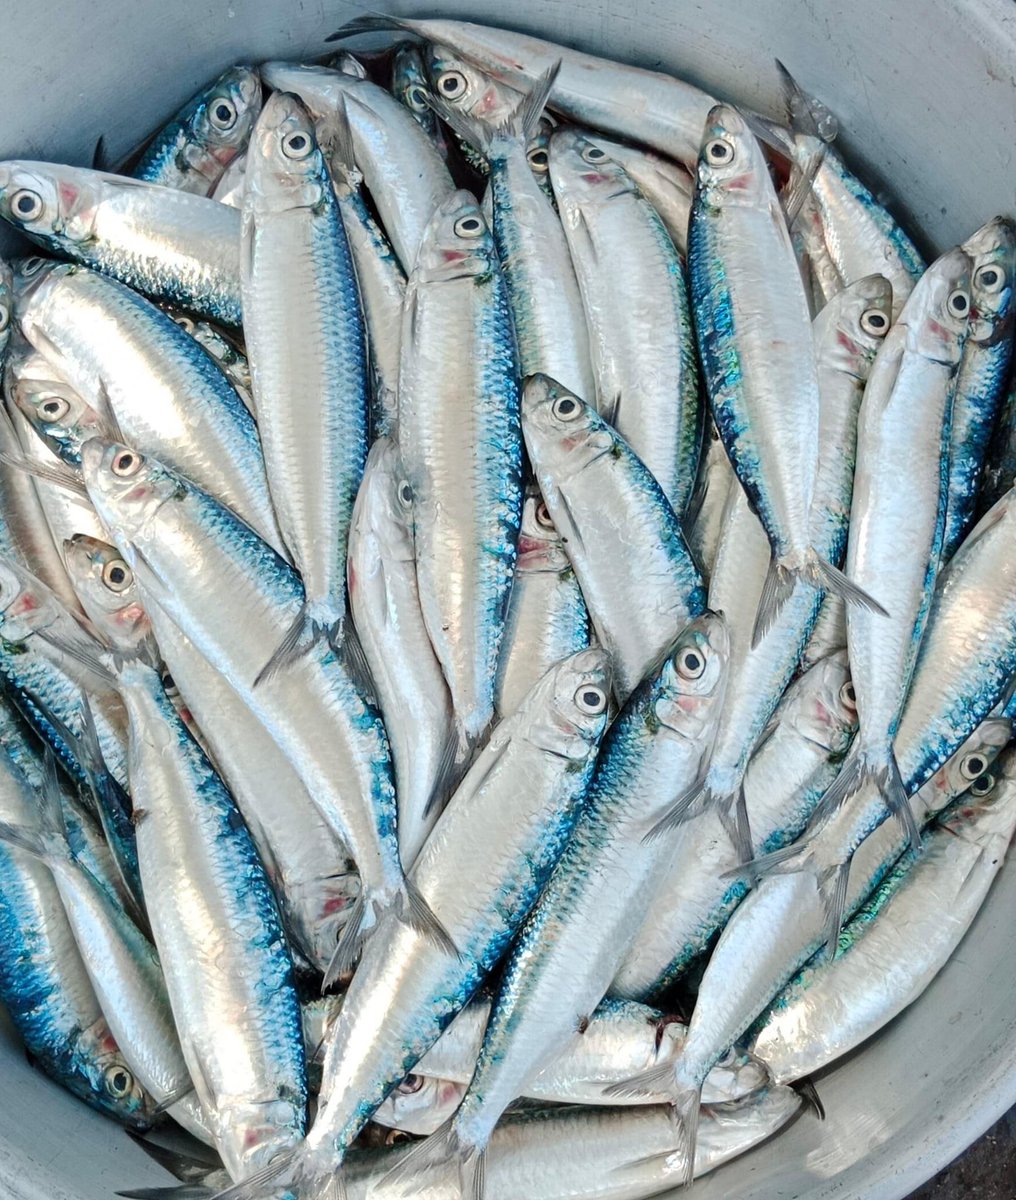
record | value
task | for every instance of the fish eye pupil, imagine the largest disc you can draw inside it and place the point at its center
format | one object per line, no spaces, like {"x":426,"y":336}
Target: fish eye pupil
{"x":125,"y":461}
{"x":566,"y":407}
{"x":168,"y":682}
{"x":975,"y":765}
{"x":989,"y":277}
{"x":223,"y":112}
{"x":117,"y":575}
{"x":51,"y":408}
{"x":692,"y":661}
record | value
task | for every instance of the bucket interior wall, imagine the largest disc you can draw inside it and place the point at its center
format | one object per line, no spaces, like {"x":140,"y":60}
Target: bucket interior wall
{"x":924,"y":91}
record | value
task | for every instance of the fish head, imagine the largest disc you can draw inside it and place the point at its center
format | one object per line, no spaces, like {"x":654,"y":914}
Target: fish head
{"x":563,"y":434}
{"x":50,"y":203}
{"x":112,"y":1084}
{"x":541,"y":547}
{"x":421,"y":1104}
{"x":538,"y":147}
{"x":27,"y":605}
{"x":285,"y":166}
{"x":987,"y":810}
{"x":567,"y":710}
{"x":732,"y":168}
{"x":687,"y":693}
{"x":583,"y":175}
{"x":126,"y":488}
{"x":409,"y":79}
{"x":457,"y":243}
{"x":108,"y":591}
{"x":937,"y":313}
{"x":218,"y":123}
{"x":967,"y":765}
{"x":319,"y":88}
{"x":57,"y":413}
{"x":992,"y":250}
{"x":6,"y":305}
{"x":384,"y":503}
{"x":825,"y":704}
{"x":852,"y":326}
{"x":462,"y":85}
{"x":348,"y":64}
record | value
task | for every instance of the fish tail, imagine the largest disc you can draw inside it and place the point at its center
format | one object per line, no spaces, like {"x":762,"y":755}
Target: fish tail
{"x":444,"y":1151}
{"x":697,"y":795}
{"x":285,"y":1171}
{"x":446,"y":778}
{"x":518,"y":126}
{"x":835,"y":902}
{"x":46,"y":841}
{"x":178,"y":1191}
{"x":416,"y":912}
{"x":684,"y":1101}
{"x":779,"y":585}
{"x":524,"y":119}
{"x":370,"y":23}
{"x":894,"y":792}
{"x":787,"y":861}
{"x":349,"y":945}
{"x":824,"y":574}
{"x":733,"y":813}
{"x":312,"y":624}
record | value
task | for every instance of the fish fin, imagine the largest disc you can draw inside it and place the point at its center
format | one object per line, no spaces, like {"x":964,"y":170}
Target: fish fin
{"x":181,"y":1191}
{"x":836,"y":903}
{"x":87,"y":653}
{"x":685,"y":1102}
{"x":474,"y":131}
{"x":734,"y":818}
{"x":526,"y":117}
{"x":98,"y":161}
{"x":656,"y":1081}
{"x":778,"y":862}
{"x":55,"y":473}
{"x":808,"y":156}
{"x":894,"y":792}
{"x":349,"y":945}
{"x":111,"y":422}
{"x":277,"y":1176}
{"x":444,"y":1150}
{"x":806,"y":1089}
{"x":370,"y":23}
{"x":174,"y":1097}
{"x":342,"y":156}
{"x":776,"y":591}
{"x":306,"y":630}
{"x":806,"y":113}
{"x":848,"y":781}
{"x":185,"y":1167}
{"x":680,"y":810}
{"x":416,"y":912}
{"x":351,"y":654}
{"x":824,"y":574}
{"x":446,"y":777}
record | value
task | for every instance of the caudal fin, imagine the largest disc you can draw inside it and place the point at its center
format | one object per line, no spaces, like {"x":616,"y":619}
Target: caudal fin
{"x":858,"y":772}
{"x":781,"y":580}
{"x":444,"y":1152}
{"x":311,"y":625}
{"x":370,"y":23}
{"x":685,"y":1102}
{"x":286,"y":1170}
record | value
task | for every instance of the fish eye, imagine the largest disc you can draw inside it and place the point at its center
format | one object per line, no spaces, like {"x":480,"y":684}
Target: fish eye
{"x":989,"y":279}
{"x":566,"y":408}
{"x":972,"y":765}
{"x":126,"y":463}
{"x":168,"y":682}
{"x":718,"y":152}
{"x":54,"y":408}
{"x":539,"y":160}
{"x":117,"y":576}
{"x":32,"y":266}
{"x":417,"y":97}
{"x":452,"y":84}
{"x":848,"y":697}
{"x":958,"y":303}
{"x":875,"y":322}
{"x":5,"y":317}
{"x":410,"y":1085}
{"x":27,"y":205}
{"x":593,"y":154}
{"x":983,"y":785}
{"x":405,"y":494}
{"x":297,"y":144}
{"x":591,"y":700}
{"x":119,"y":1081}
{"x":469,"y":227}
{"x":223,"y":114}
{"x":690,"y":664}
{"x":543,"y":516}
{"x":394,"y":1136}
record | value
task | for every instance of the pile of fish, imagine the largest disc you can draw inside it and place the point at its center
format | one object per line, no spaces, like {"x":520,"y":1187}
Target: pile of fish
{"x":498,"y":548}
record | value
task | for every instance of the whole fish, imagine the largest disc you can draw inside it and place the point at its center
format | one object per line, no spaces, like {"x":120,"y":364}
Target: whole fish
{"x":480,"y":870}
{"x":547,"y":618}
{"x":639,"y":322}
{"x":406,"y":176}
{"x":458,"y":397}
{"x":43,"y":981}
{"x":859,"y":235}
{"x":126,"y":357}
{"x":309,"y":869}
{"x":786,"y":778}
{"x":194,"y":149}
{"x":573,"y":942}
{"x":895,"y":541}
{"x":984,"y":369}
{"x":621,"y":535}
{"x":385,"y":603}
{"x":900,"y":940}
{"x":550,"y":324}
{"x":169,"y":244}
{"x":232,"y":596}
{"x":630,"y":102}
{"x":748,"y":295}
{"x":303,"y":327}
{"x":121,"y":962}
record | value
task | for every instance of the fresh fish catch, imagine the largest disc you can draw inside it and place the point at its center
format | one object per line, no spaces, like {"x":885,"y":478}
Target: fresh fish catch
{"x":507,"y":618}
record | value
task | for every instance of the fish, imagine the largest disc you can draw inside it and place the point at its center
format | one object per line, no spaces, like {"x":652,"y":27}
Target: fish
{"x":385,"y":604}
{"x":170,"y":245}
{"x":459,"y":394}
{"x":984,"y":368}
{"x":304,"y":332}
{"x":145,"y":376}
{"x":640,"y":321}
{"x":915,"y":920}
{"x":229,"y":189}
{"x":621,"y":535}
{"x":409,"y":85}
{"x":547,"y":618}
{"x":895,"y":541}
{"x":574,"y":939}
{"x":480,"y":884}
{"x":192,"y":151}
{"x":231,"y":360}
{"x":648,"y":107}
{"x":550,"y":324}
{"x":747,"y":294}
{"x":703,"y":520}
{"x":406,"y":177}
{"x":309,"y":869}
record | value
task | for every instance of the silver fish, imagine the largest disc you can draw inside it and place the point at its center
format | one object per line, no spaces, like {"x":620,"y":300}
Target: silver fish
{"x":303,"y":326}
{"x":171,"y":245}
{"x":639,"y":320}
{"x":458,"y":395}
{"x":621,"y":535}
